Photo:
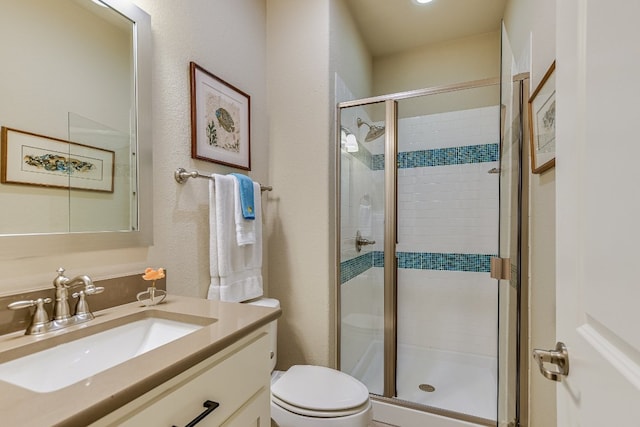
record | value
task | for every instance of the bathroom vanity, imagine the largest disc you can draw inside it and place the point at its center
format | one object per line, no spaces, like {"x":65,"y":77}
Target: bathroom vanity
{"x":219,"y":367}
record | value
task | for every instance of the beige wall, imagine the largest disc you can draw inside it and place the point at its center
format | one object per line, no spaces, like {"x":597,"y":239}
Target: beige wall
{"x":300,"y":221}
{"x":350,"y":58}
{"x":228,"y":39}
{"x":455,"y":61}
{"x":308,"y":44}
{"x":531,"y":30}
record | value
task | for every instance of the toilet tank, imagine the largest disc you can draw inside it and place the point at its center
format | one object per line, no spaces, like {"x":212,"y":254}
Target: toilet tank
{"x":273,"y":327}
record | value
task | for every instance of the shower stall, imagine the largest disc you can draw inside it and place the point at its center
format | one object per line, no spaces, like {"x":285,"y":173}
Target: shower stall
{"x":428,"y":186}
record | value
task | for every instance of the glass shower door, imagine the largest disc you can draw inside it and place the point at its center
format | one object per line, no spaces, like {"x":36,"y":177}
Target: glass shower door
{"x":420,"y":190}
{"x":447,"y":304}
{"x":361,"y":296}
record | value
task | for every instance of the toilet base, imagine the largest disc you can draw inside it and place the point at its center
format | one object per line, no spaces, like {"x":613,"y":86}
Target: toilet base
{"x":284,"y":418}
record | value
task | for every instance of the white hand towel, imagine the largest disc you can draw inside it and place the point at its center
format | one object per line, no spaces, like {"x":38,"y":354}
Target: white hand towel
{"x":236,"y":271}
{"x":245,"y":228}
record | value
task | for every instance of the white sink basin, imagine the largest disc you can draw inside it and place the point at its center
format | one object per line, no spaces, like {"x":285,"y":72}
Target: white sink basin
{"x":65,"y":364}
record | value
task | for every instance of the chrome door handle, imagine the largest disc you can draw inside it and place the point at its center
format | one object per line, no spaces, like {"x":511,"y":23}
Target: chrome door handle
{"x":558,"y":357}
{"x":360,"y":241}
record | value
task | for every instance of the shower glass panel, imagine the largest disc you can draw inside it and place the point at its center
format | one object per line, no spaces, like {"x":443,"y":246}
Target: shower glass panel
{"x":361,"y":219}
{"x":513,"y":241}
{"x":510,"y":223}
{"x":436,"y":346}
{"x":448,"y":207}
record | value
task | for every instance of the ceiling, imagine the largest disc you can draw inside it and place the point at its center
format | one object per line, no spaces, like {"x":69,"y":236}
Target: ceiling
{"x":390,"y":26}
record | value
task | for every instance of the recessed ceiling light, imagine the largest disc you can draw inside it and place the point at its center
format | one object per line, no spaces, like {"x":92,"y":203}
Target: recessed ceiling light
{"x":422,"y":1}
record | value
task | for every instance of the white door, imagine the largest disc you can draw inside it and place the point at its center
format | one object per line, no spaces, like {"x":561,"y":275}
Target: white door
{"x":598,"y":211}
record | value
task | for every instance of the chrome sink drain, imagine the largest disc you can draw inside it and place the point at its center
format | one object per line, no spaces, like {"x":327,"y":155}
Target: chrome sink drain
{"x":427,"y":387}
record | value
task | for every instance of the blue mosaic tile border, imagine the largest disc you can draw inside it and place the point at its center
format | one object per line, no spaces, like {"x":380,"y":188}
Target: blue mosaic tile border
{"x":438,"y":261}
{"x":442,"y":156}
{"x":355,"y":266}
{"x":378,"y":259}
{"x":477,"y":263}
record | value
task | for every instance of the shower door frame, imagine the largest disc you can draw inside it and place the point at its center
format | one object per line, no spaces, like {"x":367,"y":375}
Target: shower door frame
{"x":390,"y":237}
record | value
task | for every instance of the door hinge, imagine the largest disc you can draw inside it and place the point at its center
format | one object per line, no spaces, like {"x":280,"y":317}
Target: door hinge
{"x":500,"y":268}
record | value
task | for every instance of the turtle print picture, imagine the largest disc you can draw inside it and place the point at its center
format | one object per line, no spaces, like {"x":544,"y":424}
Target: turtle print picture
{"x":220,"y":115}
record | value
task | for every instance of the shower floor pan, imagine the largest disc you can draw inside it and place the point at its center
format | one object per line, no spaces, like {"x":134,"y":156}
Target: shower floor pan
{"x":463,"y":383}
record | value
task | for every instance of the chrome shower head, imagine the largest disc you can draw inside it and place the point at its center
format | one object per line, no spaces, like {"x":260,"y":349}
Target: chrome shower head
{"x":374,"y":131}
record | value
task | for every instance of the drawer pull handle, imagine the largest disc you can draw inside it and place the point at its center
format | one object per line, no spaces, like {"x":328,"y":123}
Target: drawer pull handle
{"x":210,"y":405}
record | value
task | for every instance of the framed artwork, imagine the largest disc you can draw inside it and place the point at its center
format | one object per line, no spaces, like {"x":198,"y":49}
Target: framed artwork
{"x":542,"y":123}
{"x":220,"y":120}
{"x":31,"y":159}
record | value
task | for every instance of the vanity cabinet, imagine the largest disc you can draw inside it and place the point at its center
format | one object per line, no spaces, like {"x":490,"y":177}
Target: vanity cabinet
{"x":236,"y":378}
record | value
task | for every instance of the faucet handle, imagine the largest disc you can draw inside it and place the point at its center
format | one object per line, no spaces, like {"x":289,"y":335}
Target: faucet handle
{"x":28,"y":303}
{"x":93,"y":290}
{"x":40,"y":317}
{"x":82,"y":308}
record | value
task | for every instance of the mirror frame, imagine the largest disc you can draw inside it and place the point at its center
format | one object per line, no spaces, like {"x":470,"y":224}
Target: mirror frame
{"x":27,"y":245}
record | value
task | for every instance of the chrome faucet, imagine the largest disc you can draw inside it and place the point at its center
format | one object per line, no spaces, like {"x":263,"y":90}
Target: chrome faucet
{"x":62,"y":317}
{"x":62,"y":285}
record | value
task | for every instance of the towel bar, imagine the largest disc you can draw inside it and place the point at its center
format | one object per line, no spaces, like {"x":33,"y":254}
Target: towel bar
{"x":181,"y":175}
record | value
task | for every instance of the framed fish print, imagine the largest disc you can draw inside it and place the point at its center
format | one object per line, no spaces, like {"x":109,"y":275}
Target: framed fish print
{"x":542,"y":123}
{"x":32,"y":159}
{"x":220,"y":120}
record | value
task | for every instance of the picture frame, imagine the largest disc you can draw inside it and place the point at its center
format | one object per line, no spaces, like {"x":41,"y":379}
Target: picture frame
{"x":39,"y":160}
{"x":220,"y":120}
{"x":542,"y":123}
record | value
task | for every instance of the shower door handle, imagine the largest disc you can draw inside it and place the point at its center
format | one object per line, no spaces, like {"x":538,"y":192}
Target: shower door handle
{"x":360,"y":241}
{"x":558,"y":357}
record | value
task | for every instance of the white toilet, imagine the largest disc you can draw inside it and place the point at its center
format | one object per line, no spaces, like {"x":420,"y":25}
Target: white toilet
{"x":314,"y":396}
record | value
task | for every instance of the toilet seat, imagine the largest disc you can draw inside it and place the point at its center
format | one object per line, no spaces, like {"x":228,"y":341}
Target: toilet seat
{"x":316,"y":391}
{"x":319,"y":414}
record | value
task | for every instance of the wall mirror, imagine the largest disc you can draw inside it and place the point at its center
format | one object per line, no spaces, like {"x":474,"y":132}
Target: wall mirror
{"x":75,"y":115}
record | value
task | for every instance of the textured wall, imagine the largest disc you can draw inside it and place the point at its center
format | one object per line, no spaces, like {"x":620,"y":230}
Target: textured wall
{"x":460,"y":60}
{"x":228,"y":40}
{"x":299,"y":223}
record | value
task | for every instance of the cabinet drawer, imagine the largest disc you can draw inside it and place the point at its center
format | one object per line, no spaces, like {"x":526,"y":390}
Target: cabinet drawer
{"x":255,"y":413}
{"x":231,"y":381}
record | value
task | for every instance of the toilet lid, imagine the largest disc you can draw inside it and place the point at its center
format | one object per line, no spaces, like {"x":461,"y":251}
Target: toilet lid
{"x":317,"y":388}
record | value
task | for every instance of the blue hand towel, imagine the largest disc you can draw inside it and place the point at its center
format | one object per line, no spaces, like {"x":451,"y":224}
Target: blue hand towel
{"x":247,"y":202}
